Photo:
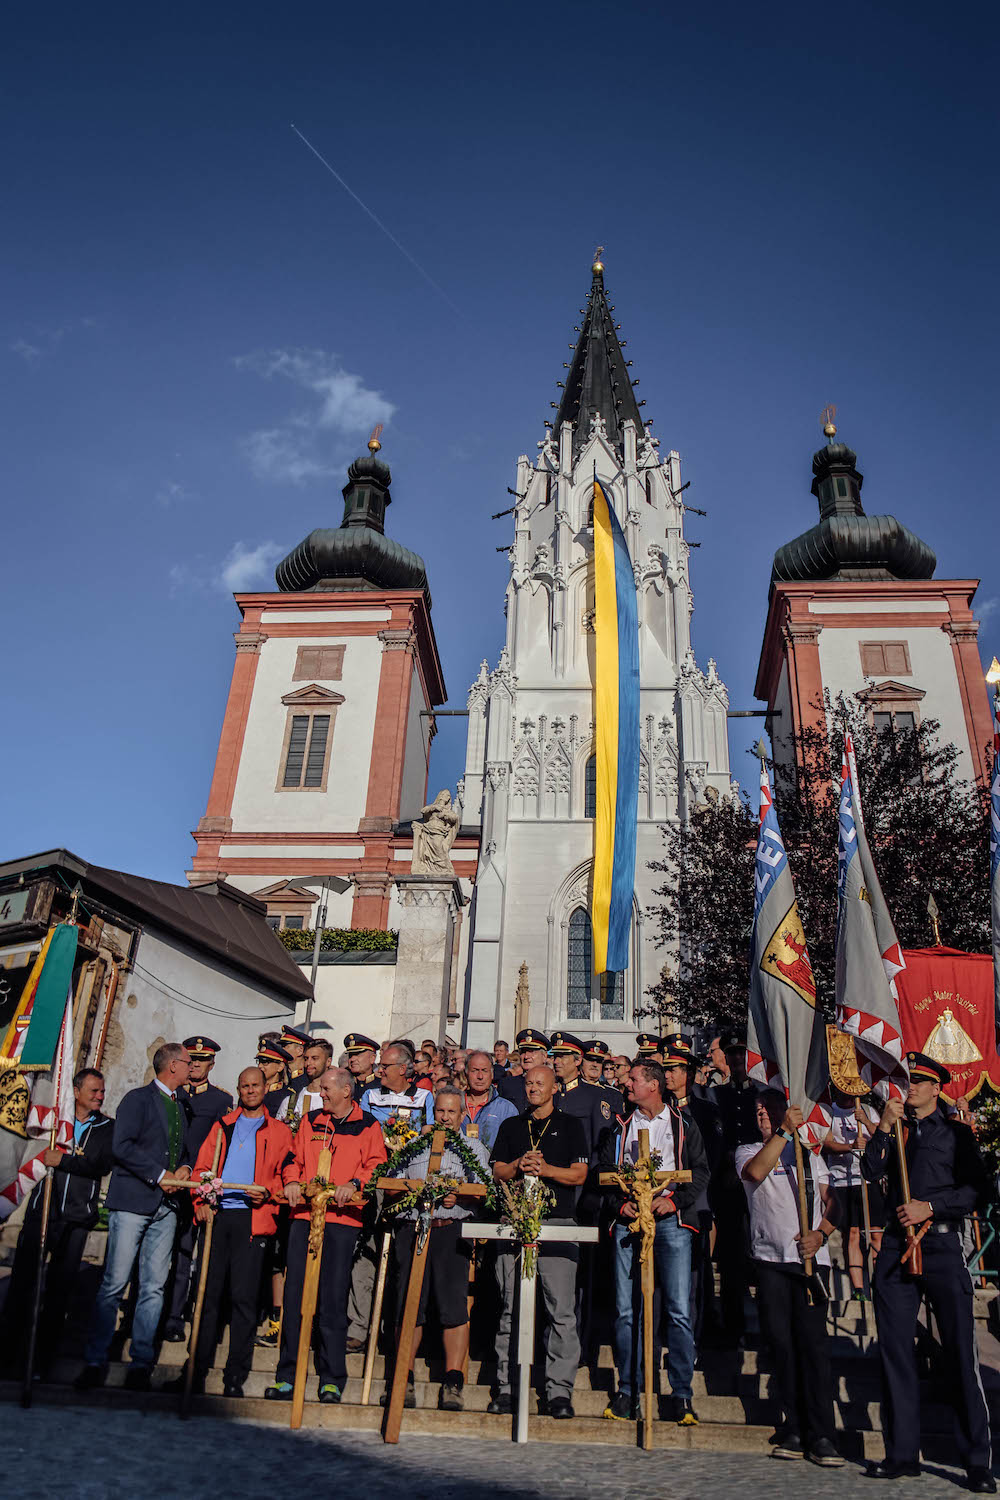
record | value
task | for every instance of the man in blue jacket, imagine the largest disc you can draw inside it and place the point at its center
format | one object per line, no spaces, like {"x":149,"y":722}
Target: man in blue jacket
{"x":149,"y":1142}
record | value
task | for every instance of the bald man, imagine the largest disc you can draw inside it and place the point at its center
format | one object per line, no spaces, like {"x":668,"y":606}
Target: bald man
{"x":254,"y":1148}
{"x":543,"y":1142}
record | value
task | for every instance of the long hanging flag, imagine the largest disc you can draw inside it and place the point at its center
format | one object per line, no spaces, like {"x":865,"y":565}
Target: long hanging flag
{"x":616,"y":711}
{"x":995,"y":863}
{"x":868,"y":953}
{"x":38,"y":1047}
{"x":786,"y":1037}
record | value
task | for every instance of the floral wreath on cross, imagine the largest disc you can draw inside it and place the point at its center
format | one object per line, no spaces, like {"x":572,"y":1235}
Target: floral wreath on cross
{"x":400,"y":1159}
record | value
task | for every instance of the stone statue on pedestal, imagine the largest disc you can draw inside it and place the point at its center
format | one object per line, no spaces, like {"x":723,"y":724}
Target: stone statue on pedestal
{"x":433,"y":837}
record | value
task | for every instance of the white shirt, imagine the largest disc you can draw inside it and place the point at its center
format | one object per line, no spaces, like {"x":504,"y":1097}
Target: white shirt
{"x":661,"y":1137}
{"x":774,"y":1205}
{"x":305,"y":1100}
{"x":844,"y":1167}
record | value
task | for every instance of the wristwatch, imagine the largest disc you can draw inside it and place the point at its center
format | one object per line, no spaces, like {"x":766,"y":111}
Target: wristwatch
{"x":786,"y":1133}
{"x":357,"y":1184}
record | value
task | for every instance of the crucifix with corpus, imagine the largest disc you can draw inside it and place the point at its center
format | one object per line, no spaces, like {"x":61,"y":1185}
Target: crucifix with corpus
{"x":432,"y":1205}
{"x":642,"y":1185}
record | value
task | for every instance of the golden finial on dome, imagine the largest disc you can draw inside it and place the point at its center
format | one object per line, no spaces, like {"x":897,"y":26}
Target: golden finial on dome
{"x":598,"y":265}
{"x":374,"y":445}
{"x":828,"y":416}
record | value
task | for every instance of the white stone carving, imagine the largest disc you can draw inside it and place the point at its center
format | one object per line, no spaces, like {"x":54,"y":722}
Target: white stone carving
{"x":433,"y":837}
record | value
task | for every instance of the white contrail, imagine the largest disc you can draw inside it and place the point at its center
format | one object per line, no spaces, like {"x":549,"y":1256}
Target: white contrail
{"x":376,"y":220}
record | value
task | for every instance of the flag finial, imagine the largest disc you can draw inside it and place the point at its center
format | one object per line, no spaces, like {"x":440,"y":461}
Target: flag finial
{"x":828,"y":416}
{"x":932,"y":912}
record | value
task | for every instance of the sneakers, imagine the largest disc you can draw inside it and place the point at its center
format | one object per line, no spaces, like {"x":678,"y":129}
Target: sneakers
{"x":621,"y":1408}
{"x":684,"y":1413}
{"x":451,"y":1397}
{"x":823,"y":1452}
{"x":91,"y":1378}
{"x":279,"y":1391}
{"x":409,"y":1400}
{"x":330,"y":1394}
{"x":502,"y":1405}
{"x":269,"y":1338}
{"x":788,"y":1446}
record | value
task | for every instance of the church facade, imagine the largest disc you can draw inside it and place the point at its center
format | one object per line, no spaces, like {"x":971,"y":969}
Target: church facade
{"x":530,"y":767}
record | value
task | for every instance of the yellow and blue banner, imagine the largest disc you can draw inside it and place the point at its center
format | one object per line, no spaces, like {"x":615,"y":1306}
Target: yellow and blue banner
{"x":616,"y":712}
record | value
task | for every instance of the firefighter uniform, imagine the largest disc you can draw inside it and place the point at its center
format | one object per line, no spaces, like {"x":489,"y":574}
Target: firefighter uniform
{"x":947,"y":1173}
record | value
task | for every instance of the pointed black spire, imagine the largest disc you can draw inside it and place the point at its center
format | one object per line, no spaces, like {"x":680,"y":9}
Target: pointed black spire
{"x":598,"y":382}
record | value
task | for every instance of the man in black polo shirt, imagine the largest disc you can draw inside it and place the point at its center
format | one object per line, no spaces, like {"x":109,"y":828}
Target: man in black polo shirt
{"x":543,"y":1142}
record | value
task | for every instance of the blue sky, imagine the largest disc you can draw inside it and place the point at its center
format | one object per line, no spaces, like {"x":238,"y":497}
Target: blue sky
{"x":199,"y":325}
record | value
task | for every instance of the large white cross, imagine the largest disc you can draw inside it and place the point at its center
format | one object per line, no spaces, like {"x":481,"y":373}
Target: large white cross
{"x":575,"y":1233}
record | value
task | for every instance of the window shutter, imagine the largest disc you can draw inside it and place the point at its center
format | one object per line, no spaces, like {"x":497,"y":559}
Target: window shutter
{"x":317,"y":750}
{"x":296,"y":750}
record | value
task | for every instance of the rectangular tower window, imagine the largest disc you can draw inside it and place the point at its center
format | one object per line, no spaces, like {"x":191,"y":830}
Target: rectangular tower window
{"x":885,"y":658}
{"x":319,"y":664}
{"x":307,"y":747}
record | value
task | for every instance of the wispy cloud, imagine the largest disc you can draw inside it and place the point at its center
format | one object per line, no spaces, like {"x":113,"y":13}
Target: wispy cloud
{"x":46,"y":340}
{"x":313,"y":442}
{"x":174,"y":492}
{"x":985,"y":609}
{"x":30,"y":353}
{"x":245,"y":566}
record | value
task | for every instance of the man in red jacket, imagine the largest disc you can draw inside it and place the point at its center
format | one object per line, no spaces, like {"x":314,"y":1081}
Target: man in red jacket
{"x":354,"y":1139}
{"x":254,"y":1149}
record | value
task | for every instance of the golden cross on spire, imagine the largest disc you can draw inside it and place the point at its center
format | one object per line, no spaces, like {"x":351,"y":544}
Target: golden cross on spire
{"x":828,"y":416}
{"x":598,"y":262}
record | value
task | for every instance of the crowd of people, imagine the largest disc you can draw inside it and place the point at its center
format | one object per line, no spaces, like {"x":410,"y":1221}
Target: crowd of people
{"x":555,"y":1108}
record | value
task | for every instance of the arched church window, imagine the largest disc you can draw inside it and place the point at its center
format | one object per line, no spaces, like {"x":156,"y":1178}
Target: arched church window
{"x":579,"y":967}
{"x":612,"y":997}
{"x":590,"y":787}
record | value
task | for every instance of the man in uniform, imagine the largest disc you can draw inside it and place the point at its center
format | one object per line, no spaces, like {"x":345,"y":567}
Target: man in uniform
{"x":295,"y":1044}
{"x":594,"y":1069}
{"x":533,"y":1047}
{"x":948,"y":1181}
{"x":501,"y":1061}
{"x":679,"y":1069}
{"x":736,"y":1101}
{"x":647,"y":1046}
{"x":273,"y":1060}
{"x":203,"y":1104}
{"x":361,"y":1052}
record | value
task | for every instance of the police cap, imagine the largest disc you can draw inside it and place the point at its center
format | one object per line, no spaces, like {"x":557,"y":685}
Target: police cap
{"x":564,"y":1043}
{"x":356,"y":1041}
{"x":201,"y":1046}
{"x":924,"y":1069}
{"x":530,"y":1039}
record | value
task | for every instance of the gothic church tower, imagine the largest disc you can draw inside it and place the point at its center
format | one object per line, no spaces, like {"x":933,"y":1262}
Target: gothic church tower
{"x":530,"y":758}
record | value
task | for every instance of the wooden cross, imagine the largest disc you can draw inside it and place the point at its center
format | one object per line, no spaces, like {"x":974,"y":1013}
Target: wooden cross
{"x":561,"y":1234}
{"x":642,"y":1193}
{"x":404,"y":1344}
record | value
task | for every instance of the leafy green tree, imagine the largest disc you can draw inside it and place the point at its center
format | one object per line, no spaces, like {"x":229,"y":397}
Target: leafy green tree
{"x":929,"y":834}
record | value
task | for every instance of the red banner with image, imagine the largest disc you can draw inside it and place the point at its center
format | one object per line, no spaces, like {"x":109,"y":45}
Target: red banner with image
{"x":946,"y":1011}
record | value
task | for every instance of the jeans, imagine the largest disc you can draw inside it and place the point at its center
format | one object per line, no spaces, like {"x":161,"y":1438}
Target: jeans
{"x":672,"y":1277}
{"x":150,"y":1238}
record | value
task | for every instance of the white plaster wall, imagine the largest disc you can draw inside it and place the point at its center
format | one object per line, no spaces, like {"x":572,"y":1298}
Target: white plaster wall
{"x":174,"y":992}
{"x":257,"y":804}
{"x":414,"y":783}
{"x":932,"y":663}
{"x":351,"y":997}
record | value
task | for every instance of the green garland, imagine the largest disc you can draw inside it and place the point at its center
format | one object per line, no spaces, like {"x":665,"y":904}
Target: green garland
{"x":456,"y":1142}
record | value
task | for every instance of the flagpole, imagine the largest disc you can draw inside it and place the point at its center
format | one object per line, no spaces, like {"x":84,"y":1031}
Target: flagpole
{"x":43,"y":1234}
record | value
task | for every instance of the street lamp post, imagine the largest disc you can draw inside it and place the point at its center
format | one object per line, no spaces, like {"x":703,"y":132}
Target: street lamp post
{"x":329,"y":883}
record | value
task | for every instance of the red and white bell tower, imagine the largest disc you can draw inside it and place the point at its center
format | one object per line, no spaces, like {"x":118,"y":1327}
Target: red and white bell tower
{"x":326,"y":739}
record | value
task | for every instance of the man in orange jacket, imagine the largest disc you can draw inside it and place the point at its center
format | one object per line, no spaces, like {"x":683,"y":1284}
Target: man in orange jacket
{"x":254,"y":1149}
{"x":354,"y":1139}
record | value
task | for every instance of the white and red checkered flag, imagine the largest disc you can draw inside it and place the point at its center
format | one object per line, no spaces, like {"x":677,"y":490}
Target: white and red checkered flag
{"x":786,"y":1037}
{"x":39,"y":1045}
{"x":868,"y":952}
